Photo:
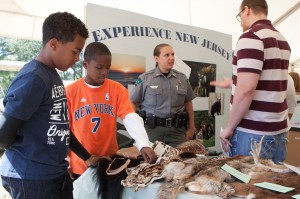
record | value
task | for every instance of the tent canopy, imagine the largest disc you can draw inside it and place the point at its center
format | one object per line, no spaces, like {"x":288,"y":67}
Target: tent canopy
{"x":24,"y":18}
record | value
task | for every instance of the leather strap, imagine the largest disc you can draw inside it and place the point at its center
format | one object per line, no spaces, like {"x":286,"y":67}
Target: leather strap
{"x":118,"y":170}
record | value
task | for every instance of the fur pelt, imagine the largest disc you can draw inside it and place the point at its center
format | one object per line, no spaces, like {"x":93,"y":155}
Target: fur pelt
{"x":145,"y":173}
{"x":205,"y":176}
{"x":185,"y":172}
{"x":250,"y":191}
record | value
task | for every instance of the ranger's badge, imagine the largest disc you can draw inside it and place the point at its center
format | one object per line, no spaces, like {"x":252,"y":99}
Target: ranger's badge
{"x":138,"y":81}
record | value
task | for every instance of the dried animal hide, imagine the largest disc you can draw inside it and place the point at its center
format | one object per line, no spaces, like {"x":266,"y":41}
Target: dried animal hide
{"x":145,"y":173}
{"x":142,"y":174}
{"x":163,"y":150}
{"x":250,"y":191}
{"x":199,"y":175}
{"x":205,"y":176}
{"x":192,"y":146}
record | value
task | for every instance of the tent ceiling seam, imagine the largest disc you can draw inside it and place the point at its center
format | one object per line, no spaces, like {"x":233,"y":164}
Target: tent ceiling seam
{"x":286,"y":14}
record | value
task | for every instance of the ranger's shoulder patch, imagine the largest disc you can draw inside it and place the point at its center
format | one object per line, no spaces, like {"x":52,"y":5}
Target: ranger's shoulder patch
{"x":138,"y":81}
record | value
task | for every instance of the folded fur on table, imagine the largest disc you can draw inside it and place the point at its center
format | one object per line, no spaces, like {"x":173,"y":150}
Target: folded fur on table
{"x":205,"y":176}
{"x":145,"y":173}
{"x":185,"y":172}
{"x":250,"y":191}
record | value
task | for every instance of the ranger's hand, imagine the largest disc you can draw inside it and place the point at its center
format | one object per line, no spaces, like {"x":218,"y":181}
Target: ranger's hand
{"x":190,"y":132}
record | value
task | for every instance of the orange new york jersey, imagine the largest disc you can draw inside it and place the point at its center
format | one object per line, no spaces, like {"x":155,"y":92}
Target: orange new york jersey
{"x":93,"y":116}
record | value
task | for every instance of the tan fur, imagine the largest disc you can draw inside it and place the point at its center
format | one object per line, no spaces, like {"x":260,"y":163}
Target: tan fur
{"x":193,"y":146}
{"x":205,"y":176}
{"x":170,"y":190}
{"x":285,"y":179}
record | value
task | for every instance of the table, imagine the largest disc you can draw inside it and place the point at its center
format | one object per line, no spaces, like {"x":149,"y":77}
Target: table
{"x":149,"y":192}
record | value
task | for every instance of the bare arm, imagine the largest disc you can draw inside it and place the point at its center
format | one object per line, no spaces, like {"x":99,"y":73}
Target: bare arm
{"x":226,"y":83}
{"x":243,"y":96}
{"x":134,"y":106}
{"x":191,"y":126}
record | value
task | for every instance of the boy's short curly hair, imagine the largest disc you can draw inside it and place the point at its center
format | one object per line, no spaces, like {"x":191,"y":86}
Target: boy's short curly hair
{"x":64,"y":27}
{"x":95,"y":49}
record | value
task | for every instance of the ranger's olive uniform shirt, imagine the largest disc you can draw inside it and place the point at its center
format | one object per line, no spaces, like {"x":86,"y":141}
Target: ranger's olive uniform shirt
{"x":160,"y":95}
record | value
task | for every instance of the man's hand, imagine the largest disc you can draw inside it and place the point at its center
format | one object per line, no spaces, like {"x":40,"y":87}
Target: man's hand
{"x":148,"y":154}
{"x":226,"y":83}
{"x":225,"y":136}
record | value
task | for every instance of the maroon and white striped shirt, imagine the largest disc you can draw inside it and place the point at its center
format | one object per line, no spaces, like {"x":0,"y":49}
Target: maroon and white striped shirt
{"x":263,"y":50}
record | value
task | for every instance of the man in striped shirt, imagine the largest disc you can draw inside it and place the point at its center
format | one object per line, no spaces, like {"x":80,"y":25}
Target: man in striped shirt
{"x":258,"y":96}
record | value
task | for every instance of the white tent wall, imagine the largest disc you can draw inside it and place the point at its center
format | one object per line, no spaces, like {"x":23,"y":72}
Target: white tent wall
{"x":23,"y":18}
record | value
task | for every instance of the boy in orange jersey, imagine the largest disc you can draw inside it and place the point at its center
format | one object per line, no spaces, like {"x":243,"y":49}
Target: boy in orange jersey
{"x":94,"y":104}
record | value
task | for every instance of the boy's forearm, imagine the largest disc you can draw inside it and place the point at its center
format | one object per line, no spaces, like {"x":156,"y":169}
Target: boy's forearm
{"x":9,"y":127}
{"x":77,"y":148}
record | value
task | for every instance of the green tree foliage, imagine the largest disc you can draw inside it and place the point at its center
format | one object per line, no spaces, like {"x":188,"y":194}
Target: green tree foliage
{"x":4,"y":48}
{"x":74,"y":72}
{"x":19,"y":49}
{"x":26,"y":50}
{"x":5,"y":79}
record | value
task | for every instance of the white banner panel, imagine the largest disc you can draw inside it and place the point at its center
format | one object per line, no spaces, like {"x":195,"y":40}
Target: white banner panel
{"x":207,"y":53}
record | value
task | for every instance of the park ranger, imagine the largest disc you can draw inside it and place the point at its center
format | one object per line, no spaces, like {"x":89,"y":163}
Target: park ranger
{"x":163,"y":97}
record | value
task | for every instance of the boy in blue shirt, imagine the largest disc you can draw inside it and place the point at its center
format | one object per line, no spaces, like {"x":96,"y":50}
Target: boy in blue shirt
{"x":34,"y":127}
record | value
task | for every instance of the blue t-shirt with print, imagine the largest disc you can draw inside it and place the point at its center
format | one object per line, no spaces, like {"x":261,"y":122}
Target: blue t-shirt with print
{"x":37,"y":96}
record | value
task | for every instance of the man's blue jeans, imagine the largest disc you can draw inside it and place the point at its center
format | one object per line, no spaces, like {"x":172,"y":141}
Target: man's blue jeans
{"x":58,"y":188}
{"x":273,"y":147}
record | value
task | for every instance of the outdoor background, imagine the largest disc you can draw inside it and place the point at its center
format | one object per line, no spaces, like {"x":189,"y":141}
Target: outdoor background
{"x":23,"y":51}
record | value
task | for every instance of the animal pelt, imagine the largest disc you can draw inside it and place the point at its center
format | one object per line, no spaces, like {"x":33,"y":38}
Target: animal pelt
{"x":145,"y":173}
{"x":198,"y":175}
{"x":192,"y":146}
{"x":205,"y":176}
{"x":250,"y":191}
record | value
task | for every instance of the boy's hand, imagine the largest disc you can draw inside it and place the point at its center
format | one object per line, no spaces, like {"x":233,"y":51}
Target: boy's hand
{"x":148,"y":154}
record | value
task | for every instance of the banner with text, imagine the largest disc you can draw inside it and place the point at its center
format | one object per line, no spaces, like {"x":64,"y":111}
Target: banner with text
{"x":206,"y":54}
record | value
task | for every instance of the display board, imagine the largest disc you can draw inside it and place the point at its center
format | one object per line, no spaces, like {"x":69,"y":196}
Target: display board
{"x":131,"y":37}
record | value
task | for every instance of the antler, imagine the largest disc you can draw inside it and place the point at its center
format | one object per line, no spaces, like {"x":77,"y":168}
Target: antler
{"x":256,"y":149}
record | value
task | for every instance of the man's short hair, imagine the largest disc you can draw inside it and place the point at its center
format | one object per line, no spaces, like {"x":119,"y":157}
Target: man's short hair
{"x":258,"y":6}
